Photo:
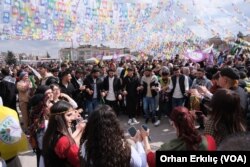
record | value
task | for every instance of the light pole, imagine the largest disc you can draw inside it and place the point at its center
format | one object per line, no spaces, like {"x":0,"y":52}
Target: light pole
{"x":72,"y":52}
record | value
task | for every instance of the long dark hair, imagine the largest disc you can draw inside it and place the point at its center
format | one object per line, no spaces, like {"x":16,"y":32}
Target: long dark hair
{"x":227,"y":111}
{"x":184,"y":122}
{"x":105,"y":144}
{"x":57,"y":127}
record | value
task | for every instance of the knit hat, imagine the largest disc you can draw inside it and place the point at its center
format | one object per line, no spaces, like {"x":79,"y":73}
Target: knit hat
{"x":148,"y":68}
{"x":165,"y":69}
{"x":22,"y":74}
{"x":230,"y":73}
{"x":94,"y":70}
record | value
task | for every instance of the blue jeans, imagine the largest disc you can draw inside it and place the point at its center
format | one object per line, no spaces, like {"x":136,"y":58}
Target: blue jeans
{"x":91,"y":105}
{"x":178,"y":102}
{"x":149,"y":106}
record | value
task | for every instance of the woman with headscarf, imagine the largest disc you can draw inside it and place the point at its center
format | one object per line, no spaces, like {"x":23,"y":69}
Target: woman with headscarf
{"x":24,"y":87}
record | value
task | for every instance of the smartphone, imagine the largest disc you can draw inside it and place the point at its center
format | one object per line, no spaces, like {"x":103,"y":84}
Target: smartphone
{"x":132,"y":131}
{"x":81,"y":120}
{"x":78,"y":120}
{"x":145,"y":127}
{"x":86,"y":116}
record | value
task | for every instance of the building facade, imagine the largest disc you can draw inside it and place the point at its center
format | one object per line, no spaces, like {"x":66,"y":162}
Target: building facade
{"x":84,"y":52}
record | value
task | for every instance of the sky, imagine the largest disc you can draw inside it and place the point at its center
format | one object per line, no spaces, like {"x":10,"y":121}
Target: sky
{"x":34,"y":47}
{"x":209,"y":11}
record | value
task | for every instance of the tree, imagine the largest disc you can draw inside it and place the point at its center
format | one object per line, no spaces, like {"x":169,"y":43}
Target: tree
{"x":240,"y":35}
{"x":10,"y":58}
{"x":48,"y":56}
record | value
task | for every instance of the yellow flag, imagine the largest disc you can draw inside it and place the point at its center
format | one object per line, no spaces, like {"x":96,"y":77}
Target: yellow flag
{"x":12,"y":138}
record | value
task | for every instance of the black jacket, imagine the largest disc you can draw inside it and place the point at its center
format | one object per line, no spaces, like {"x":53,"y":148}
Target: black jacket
{"x":8,"y":92}
{"x":116,"y":85}
{"x":181,"y":83}
{"x":130,"y":84}
{"x":70,"y":90}
{"x":89,"y":82}
{"x":75,"y":83}
{"x":243,"y":97}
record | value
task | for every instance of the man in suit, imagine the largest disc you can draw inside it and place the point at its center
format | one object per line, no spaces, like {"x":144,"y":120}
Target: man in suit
{"x":65,"y":84}
{"x":77,"y":81}
{"x":131,"y":86}
{"x":93,"y":89}
{"x":112,"y":89}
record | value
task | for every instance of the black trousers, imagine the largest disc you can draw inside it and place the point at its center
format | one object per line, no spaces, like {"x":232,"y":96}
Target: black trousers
{"x":131,"y":107}
{"x":164,"y":107}
{"x":113,"y":105}
{"x":38,"y":155}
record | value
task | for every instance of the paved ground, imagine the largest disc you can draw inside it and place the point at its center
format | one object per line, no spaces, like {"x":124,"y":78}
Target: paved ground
{"x":160,"y":134}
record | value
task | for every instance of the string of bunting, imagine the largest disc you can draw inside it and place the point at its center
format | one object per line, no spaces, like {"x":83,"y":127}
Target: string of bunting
{"x":139,"y":25}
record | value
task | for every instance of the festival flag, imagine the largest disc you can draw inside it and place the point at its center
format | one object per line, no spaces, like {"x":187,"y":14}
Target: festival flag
{"x":12,"y":138}
{"x":196,"y":56}
{"x":209,"y":49}
{"x":210,"y":59}
{"x":36,"y":73}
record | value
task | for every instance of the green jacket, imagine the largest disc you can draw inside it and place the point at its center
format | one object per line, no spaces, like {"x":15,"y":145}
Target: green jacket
{"x":180,"y":145}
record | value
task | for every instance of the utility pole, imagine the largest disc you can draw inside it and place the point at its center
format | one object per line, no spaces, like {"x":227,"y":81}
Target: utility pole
{"x":72,"y":52}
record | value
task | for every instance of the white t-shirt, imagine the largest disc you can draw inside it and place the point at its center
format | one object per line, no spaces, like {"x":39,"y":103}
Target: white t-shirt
{"x":177,"y":92}
{"x":95,"y":90}
{"x":111,"y":93}
{"x":119,"y":70}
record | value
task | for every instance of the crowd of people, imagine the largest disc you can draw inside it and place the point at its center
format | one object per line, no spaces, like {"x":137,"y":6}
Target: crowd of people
{"x":71,"y":110}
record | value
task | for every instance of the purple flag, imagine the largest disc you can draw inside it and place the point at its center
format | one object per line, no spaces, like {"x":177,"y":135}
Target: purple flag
{"x":196,"y":56}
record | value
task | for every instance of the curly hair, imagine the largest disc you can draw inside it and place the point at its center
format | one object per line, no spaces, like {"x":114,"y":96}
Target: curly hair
{"x":184,"y":122}
{"x":105,"y":144}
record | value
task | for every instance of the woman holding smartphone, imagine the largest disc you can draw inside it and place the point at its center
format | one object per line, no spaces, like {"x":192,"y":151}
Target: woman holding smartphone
{"x":105,"y":144}
{"x":39,"y":105}
{"x":59,"y":147}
